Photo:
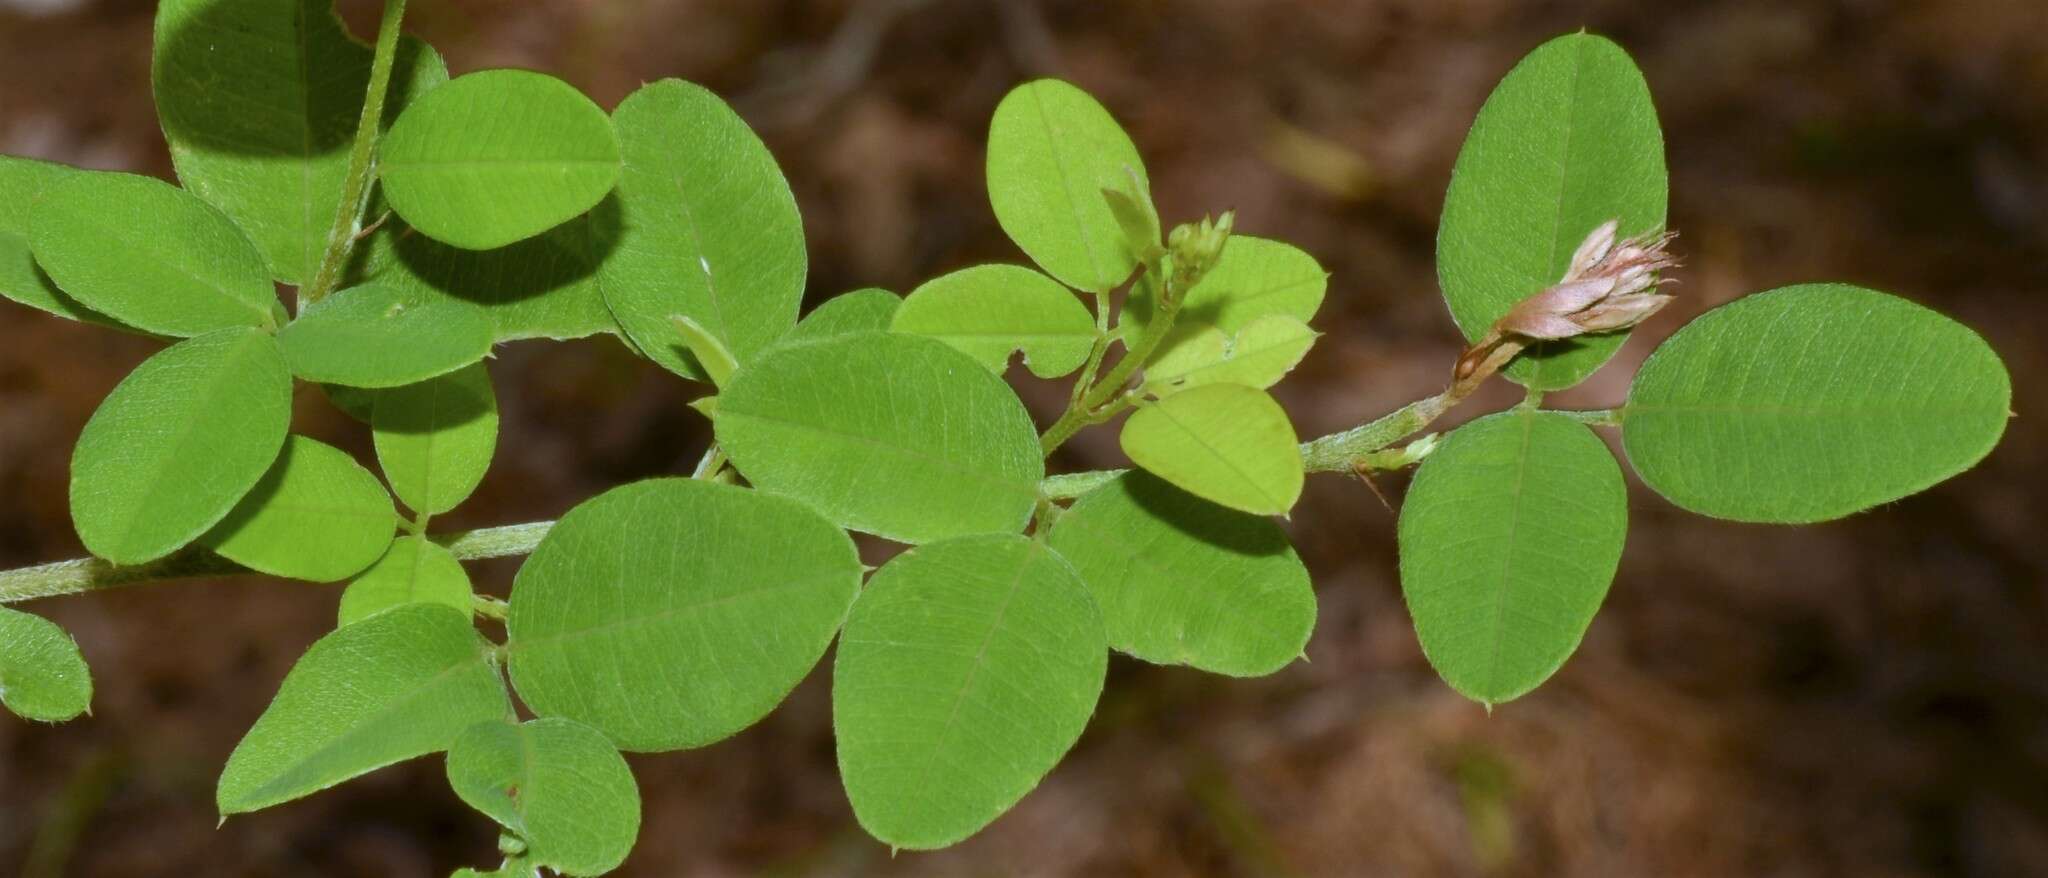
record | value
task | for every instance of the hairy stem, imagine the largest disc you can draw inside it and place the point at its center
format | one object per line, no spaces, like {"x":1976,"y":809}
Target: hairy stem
{"x":92,"y":574}
{"x":355,"y":188}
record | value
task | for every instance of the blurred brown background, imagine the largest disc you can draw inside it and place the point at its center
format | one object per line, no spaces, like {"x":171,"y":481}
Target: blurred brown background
{"x":1862,"y":698}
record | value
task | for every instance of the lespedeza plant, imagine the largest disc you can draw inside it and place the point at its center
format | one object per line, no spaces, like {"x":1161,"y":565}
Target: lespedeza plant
{"x":420,"y":220}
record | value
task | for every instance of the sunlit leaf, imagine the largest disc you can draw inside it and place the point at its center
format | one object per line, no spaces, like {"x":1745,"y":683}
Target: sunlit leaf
{"x":150,"y":255}
{"x":1223,"y":442}
{"x":991,"y":311}
{"x":558,"y":785}
{"x":1509,"y":537}
{"x":1257,"y":356}
{"x":894,"y":435}
{"x":1567,"y":141}
{"x":1813,"y":402}
{"x":394,"y":686}
{"x":1181,"y":580}
{"x":1052,"y":149}
{"x":177,"y":443}
{"x":259,"y":101}
{"x":711,"y":229}
{"x":497,"y":156}
{"x":733,"y":591}
{"x":413,"y":571}
{"x":435,"y":438}
{"x":1254,"y":278}
{"x":316,"y":515}
{"x":968,"y":668}
{"x":42,"y":675}
{"x":383,"y":336}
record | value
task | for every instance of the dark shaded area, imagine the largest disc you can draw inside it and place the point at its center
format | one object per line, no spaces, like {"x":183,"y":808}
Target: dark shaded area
{"x":1859,"y":698}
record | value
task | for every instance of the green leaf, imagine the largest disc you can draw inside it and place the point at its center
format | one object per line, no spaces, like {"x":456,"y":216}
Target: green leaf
{"x":394,"y":686}
{"x":413,"y":571}
{"x":1567,"y":141}
{"x":720,"y":599}
{"x":968,"y":668}
{"x":1258,"y":356}
{"x":1052,"y":150}
{"x":1812,"y":402}
{"x":989,"y":311}
{"x":711,"y":229}
{"x":177,"y":443}
{"x":558,"y":785}
{"x":497,"y":156}
{"x":1509,"y":537}
{"x":893,"y":435}
{"x":542,"y":287}
{"x":865,"y":310}
{"x":383,"y":336}
{"x":260,"y":102}
{"x":316,"y":515}
{"x":1254,"y":278}
{"x":1222,"y":442}
{"x":435,"y":438}
{"x":22,"y":182}
{"x":1182,"y":581}
{"x":708,"y":352}
{"x":42,"y":676}
{"x":150,"y":255}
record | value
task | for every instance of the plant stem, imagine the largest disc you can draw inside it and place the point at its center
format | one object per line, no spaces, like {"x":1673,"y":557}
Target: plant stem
{"x":1592,"y":417}
{"x":1094,"y":406}
{"x":1342,"y":452}
{"x":355,"y":188}
{"x":92,"y":574}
